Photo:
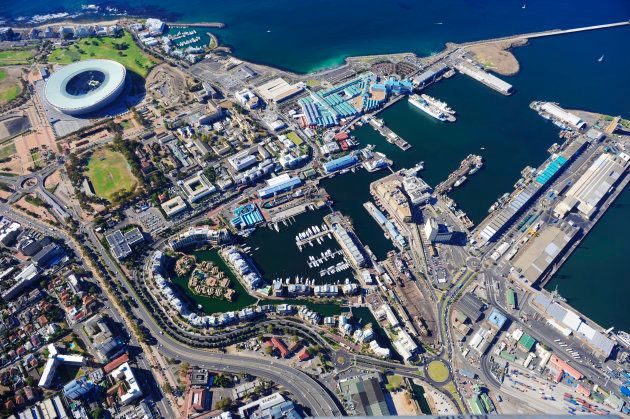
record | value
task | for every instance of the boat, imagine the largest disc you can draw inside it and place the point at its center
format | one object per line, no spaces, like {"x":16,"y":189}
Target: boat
{"x":524,"y":6}
{"x":624,"y":338}
{"x":429,"y":109}
{"x":276,"y":227}
{"x":600,"y":59}
{"x":475,"y":169}
{"x":459,"y":181}
{"x":443,"y":106}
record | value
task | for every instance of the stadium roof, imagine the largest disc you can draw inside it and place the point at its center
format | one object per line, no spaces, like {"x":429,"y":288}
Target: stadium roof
{"x":102,"y":81}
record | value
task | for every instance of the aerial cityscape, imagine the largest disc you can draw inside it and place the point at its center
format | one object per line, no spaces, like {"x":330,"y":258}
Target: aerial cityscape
{"x":293,"y":210}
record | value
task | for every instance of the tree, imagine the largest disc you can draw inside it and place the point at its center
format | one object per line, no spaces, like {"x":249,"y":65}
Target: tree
{"x":268,"y":349}
{"x":224,"y":404}
{"x":183,"y":368}
{"x":97,"y":413}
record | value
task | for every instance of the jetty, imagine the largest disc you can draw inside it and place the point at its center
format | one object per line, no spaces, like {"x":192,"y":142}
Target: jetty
{"x":390,"y":136}
{"x":470,"y":165}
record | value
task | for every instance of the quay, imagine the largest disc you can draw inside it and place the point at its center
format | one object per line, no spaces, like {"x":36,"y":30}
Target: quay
{"x":470,"y":165}
{"x":389,"y":135}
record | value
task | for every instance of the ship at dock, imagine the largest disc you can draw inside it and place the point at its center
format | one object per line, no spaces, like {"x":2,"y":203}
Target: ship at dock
{"x":431,"y":108}
{"x":443,"y":106}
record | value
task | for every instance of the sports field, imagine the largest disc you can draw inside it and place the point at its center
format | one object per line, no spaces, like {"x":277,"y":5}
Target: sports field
{"x":109,"y":173}
{"x":123,"y":50}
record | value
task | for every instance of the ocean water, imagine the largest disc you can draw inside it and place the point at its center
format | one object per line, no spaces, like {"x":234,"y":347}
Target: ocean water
{"x":306,"y":36}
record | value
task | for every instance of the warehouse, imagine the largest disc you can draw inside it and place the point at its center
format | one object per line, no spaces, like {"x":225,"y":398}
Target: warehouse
{"x":278,"y":185}
{"x":567,"y":117}
{"x":543,"y":251}
{"x":278,"y":90}
{"x":589,"y":190}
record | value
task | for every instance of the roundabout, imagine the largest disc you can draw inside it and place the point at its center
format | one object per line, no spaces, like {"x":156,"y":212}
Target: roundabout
{"x":437,"y":371}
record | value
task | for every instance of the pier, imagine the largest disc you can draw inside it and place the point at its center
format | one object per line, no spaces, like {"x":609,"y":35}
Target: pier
{"x":470,"y":165}
{"x":389,"y":135}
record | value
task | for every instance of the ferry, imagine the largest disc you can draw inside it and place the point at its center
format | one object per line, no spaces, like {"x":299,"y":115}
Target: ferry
{"x":475,"y":169}
{"x":459,"y":181}
{"x":443,"y":106}
{"x":430,"y":109}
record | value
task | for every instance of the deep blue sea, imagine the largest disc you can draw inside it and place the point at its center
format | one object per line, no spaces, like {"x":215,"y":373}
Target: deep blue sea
{"x":303,"y":36}
{"x":307,"y":35}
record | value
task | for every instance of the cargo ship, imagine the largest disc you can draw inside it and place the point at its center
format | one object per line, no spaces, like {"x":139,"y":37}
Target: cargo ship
{"x":430,"y":109}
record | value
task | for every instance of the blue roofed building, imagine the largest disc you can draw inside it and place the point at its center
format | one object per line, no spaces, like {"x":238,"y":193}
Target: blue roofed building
{"x":77,"y":388}
{"x":247,"y":216}
{"x":552,"y":169}
{"x":398,"y":87}
{"x":496,"y":318}
{"x":279,"y":184}
{"x":340,"y":163}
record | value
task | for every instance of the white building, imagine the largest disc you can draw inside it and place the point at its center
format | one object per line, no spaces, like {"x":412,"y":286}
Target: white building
{"x":155,"y":26}
{"x":278,"y":90}
{"x":242,"y":160}
{"x":562,"y":115}
{"x":125,"y":376}
{"x":173,"y":206}
{"x":197,"y":187}
{"x":589,"y":190}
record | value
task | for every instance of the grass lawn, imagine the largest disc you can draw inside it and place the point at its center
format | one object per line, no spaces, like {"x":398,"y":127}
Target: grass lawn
{"x":9,"y":93}
{"x":7,"y":150}
{"x":438,"y":371}
{"x":126,"y":124}
{"x":3,"y":74}
{"x":17,"y":56}
{"x":132,"y":57}
{"x":394,"y":382}
{"x":109,"y":173}
{"x":294,"y":138}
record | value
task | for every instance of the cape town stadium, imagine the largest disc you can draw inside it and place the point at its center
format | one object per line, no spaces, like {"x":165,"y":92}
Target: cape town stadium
{"x":85,"y":86}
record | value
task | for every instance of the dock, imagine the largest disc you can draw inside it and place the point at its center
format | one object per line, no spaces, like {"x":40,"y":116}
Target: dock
{"x":468,"y":166}
{"x":389,"y":135}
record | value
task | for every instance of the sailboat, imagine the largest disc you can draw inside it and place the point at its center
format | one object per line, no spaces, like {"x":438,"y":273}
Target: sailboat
{"x":601,"y":59}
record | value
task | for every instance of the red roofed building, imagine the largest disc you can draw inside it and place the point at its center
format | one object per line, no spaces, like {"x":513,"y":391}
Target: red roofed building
{"x":303,"y":355}
{"x":341,"y":136}
{"x":564,"y":366}
{"x":277,"y":343}
{"x":198,"y":399}
{"x":583,"y":390}
{"x":115,"y":363}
